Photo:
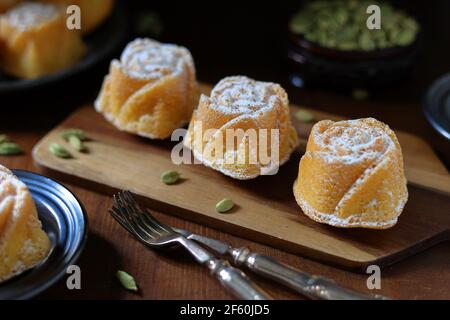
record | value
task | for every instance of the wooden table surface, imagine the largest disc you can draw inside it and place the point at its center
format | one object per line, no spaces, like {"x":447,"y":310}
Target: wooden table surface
{"x":175,"y":275}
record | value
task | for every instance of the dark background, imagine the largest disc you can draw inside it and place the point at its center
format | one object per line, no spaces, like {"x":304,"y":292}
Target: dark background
{"x":250,"y":38}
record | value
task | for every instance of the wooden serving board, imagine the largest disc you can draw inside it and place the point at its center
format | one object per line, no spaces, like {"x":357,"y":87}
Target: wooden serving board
{"x":266,"y":210}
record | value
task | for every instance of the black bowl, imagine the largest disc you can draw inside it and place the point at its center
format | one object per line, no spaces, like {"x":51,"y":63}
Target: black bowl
{"x":318,"y":65}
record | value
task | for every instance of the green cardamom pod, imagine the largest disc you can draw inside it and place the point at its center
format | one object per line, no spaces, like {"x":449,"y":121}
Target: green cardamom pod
{"x":299,"y":24}
{"x":224,"y":205}
{"x":365,"y":41}
{"x":80,"y":134}
{"x":127,"y":281}
{"x":59,"y":151}
{"x":170,"y":177}
{"x":304,"y":116}
{"x":341,"y":24}
{"x":4,"y":138}
{"x":406,"y":37}
{"x":360,"y":94}
{"x":76,"y":143}
{"x":9,"y":149}
{"x":349,"y":45}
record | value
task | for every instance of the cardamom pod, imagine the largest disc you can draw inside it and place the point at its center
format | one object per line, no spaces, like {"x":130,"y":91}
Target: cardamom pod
{"x":4,"y":138}
{"x":360,"y":94}
{"x":304,"y":116}
{"x":405,"y":37}
{"x":59,"y":151}
{"x":170,"y":177}
{"x":127,"y":281}
{"x":341,"y":25}
{"x":9,"y":149}
{"x":80,"y":134}
{"x":366,"y":42}
{"x":224,"y":205}
{"x":76,"y":143}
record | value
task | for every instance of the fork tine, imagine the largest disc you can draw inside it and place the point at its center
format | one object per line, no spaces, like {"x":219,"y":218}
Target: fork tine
{"x":135,"y":231}
{"x":147,"y":216}
{"x":119,"y":214}
{"x":139,"y":223}
{"x":114,"y":211}
{"x":124,"y":216}
{"x":130,"y":202}
{"x":121,"y":221}
{"x":128,"y":215}
{"x":119,"y":209}
{"x":136,"y":218}
{"x":144,"y":216}
{"x":134,"y":214}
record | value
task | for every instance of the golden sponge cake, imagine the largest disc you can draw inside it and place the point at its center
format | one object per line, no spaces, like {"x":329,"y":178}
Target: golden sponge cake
{"x":251,"y":110}
{"x":23,"y":243}
{"x":352,"y":175}
{"x":36,"y":42}
{"x":151,"y":90}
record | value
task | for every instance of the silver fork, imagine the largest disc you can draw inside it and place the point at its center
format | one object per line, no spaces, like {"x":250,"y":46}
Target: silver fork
{"x":315,"y":287}
{"x":144,"y":227}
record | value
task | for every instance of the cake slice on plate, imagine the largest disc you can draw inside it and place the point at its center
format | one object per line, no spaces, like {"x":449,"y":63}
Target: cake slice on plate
{"x":23,"y":243}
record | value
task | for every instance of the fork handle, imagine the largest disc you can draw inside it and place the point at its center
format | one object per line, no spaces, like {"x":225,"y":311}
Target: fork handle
{"x":236,"y":281}
{"x":231,"y":278}
{"x":311,"y":286}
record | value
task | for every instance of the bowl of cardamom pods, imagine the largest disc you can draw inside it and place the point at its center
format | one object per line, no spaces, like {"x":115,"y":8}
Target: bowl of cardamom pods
{"x":353,"y":43}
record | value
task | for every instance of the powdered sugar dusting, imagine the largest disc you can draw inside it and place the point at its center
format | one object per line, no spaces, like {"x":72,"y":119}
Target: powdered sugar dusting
{"x":30,"y":14}
{"x":18,"y":211}
{"x":12,"y":191}
{"x":149,"y":59}
{"x":364,"y":149}
{"x":242,"y":95}
{"x":257,"y":108}
{"x":352,"y":141}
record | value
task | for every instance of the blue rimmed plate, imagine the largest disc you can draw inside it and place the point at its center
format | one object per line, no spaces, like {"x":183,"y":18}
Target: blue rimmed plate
{"x":64,"y":219}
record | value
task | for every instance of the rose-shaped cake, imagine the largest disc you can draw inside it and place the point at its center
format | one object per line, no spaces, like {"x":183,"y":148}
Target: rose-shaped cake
{"x":352,"y":175}
{"x":151,"y":91}
{"x":35,"y":41}
{"x":23,"y":243}
{"x":243,"y":129}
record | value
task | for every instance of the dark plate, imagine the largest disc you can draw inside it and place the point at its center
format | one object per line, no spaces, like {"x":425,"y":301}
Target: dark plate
{"x":65,"y":221}
{"x":437,"y":105}
{"x":101,"y":44}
